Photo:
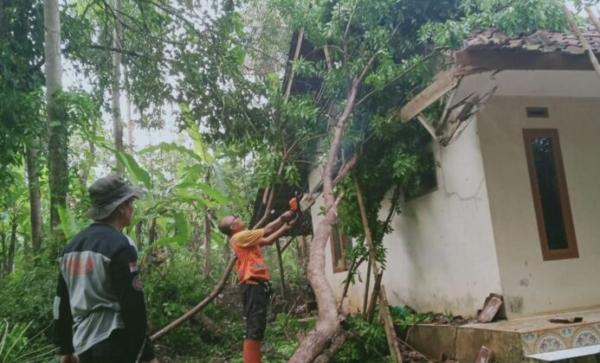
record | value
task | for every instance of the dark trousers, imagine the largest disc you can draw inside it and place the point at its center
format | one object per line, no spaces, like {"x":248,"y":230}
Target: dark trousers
{"x":111,"y":350}
{"x":255,"y":298}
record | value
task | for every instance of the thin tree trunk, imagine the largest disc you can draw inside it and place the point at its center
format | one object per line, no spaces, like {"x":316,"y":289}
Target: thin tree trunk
{"x":139,"y":227}
{"x":91,"y":157}
{"x":116,"y":86}
{"x":130,"y":125}
{"x":207,"y":233}
{"x":35,"y":204}
{"x":4,"y":252}
{"x":152,"y":232}
{"x":226,"y":251}
{"x":351,"y":271}
{"x":384,"y":310}
{"x":367,"y":286}
{"x":373,"y":302}
{"x":288,"y":88}
{"x":58,"y":138}
{"x":207,"y":239}
{"x":281,"y":271}
{"x":12,"y":245}
{"x":302,"y":253}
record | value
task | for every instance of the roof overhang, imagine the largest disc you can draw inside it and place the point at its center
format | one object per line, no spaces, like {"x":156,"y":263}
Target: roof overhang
{"x":480,"y":71}
{"x":480,"y":59}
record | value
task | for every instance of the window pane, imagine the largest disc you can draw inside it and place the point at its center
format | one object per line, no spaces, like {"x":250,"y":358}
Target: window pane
{"x":335,"y":243}
{"x":545,"y":168}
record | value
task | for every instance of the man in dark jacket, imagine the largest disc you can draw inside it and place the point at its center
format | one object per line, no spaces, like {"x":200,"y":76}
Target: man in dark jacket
{"x":99,"y":310}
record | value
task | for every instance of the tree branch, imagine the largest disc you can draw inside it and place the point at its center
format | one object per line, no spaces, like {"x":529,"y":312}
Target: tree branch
{"x":346,"y":168}
{"x":117,"y":50}
{"x":401,"y":75}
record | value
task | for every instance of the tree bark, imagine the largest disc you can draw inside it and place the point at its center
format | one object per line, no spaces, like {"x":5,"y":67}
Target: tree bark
{"x":116,"y":86}
{"x":302,"y":248}
{"x":130,"y":124}
{"x":58,"y":138}
{"x":367,"y":285}
{"x":328,"y":323}
{"x":371,"y":310}
{"x":152,"y":232}
{"x":35,"y":204}
{"x":336,"y":344}
{"x":10,"y":261}
{"x":207,"y":239}
{"x":281,"y":271}
{"x":351,"y":271}
{"x":3,"y":260}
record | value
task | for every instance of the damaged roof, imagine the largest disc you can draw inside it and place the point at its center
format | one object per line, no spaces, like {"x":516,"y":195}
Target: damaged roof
{"x":492,"y":50}
{"x":540,"y":41}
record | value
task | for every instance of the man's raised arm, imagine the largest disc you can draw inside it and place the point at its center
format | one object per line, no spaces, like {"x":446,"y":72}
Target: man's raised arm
{"x":274,"y":226}
{"x":270,"y":239}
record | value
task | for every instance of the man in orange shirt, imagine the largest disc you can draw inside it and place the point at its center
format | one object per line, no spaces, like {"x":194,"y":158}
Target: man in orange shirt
{"x":254,"y":274}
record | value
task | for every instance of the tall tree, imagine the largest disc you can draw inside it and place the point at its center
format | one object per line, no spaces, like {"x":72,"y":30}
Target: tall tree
{"x":35,"y":202}
{"x":57,"y":123}
{"x":21,"y":79}
{"x":116,"y":82}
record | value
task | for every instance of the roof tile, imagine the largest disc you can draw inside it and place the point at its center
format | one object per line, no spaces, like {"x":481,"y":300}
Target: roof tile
{"x":540,"y":41}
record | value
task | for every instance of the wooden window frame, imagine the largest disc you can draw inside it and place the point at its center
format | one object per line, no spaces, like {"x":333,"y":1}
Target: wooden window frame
{"x":341,"y":241}
{"x":551,"y":254}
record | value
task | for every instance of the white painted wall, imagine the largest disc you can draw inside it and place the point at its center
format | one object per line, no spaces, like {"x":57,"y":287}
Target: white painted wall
{"x":530,"y":284}
{"x":441,"y":255}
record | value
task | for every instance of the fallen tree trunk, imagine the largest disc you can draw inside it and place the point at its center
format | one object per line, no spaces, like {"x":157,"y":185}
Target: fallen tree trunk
{"x":336,"y":344}
{"x":216,"y":291}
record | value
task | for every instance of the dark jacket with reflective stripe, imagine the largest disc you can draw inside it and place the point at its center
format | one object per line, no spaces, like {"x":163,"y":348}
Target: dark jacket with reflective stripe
{"x":99,"y":290}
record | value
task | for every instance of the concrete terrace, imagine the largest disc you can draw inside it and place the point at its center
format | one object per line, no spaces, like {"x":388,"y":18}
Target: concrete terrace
{"x":528,"y":339}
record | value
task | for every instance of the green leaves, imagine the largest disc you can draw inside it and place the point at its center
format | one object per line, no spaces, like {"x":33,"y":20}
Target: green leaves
{"x":135,"y":171}
{"x":182,"y":230}
{"x":510,"y":16}
{"x":68,"y":222}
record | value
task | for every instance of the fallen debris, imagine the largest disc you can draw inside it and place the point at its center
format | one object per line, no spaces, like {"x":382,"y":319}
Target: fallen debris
{"x":564,"y":320}
{"x":485,"y":355}
{"x":492,"y":305}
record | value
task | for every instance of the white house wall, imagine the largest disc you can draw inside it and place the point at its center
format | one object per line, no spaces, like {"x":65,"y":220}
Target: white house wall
{"x":441,"y":254}
{"x":529,"y":283}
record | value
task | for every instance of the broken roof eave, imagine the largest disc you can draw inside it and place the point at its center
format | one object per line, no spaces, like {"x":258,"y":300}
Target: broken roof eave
{"x":488,"y":58}
{"x":445,"y":81}
{"x":479,"y":59}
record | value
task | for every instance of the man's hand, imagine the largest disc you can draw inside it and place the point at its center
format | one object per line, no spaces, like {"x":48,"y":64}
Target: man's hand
{"x":287,"y":216}
{"x":69,"y":358}
{"x":289,"y":225}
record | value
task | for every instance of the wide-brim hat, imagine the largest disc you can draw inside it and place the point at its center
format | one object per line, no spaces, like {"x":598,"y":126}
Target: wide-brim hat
{"x":108,"y":193}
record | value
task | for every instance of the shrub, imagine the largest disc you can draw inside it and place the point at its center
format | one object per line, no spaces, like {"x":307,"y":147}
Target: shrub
{"x":367,"y":343}
{"x":16,"y":346}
